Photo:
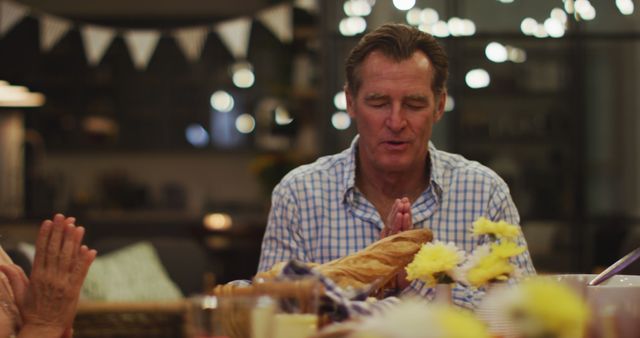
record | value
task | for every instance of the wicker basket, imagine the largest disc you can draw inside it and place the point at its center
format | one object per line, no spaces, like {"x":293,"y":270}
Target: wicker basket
{"x":131,"y":320}
{"x":234,"y":302}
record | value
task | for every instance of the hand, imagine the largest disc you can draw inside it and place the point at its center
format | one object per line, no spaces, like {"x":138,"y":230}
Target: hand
{"x":10,"y":320}
{"x":48,"y":300}
{"x":399,"y":220}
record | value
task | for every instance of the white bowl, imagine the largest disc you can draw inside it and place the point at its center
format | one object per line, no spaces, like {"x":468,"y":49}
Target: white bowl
{"x":615,"y":304}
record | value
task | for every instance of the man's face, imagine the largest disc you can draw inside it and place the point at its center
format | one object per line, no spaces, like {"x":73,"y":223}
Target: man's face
{"x":395,"y":110}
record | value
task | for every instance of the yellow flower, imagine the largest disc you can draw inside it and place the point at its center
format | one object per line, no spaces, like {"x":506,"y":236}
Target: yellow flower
{"x":501,"y":229}
{"x":506,"y":249}
{"x":459,"y":323}
{"x":489,"y":268}
{"x":552,"y":308}
{"x":433,"y":260}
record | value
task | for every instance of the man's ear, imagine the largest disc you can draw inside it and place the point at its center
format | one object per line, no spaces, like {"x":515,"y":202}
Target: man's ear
{"x":442,"y":102}
{"x":350,"y":102}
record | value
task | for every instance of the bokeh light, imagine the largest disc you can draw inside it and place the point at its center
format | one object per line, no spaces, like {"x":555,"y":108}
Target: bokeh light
{"x":196,"y":135}
{"x":341,"y":120}
{"x":243,"y":76}
{"x":340,"y":100}
{"x":450,"y":104}
{"x":404,"y":5}
{"x":477,"y":78}
{"x":282,"y":116}
{"x":357,"y":8}
{"x":352,"y":25}
{"x":554,"y":27}
{"x":440,"y":29}
{"x":222,"y":101}
{"x":496,"y":52}
{"x":528,"y":26}
{"x":217,"y":221}
{"x":245,"y":123}
{"x":625,"y":6}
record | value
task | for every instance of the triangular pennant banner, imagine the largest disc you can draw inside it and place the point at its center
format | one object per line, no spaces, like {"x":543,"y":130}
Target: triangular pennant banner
{"x":142,"y":44}
{"x":52,"y":29}
{"x":10,"y":14}
{"x":235,"y":35}
{"x":279,"y":20}
{"x":310,"y":6}
{"x":191,"y":41}
{"x":96,"y":40}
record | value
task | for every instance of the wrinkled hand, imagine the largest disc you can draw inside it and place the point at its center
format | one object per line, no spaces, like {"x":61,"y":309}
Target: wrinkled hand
{"x":48,"y":300}
{"x":10,"y":320}
{"x":398,"y":220}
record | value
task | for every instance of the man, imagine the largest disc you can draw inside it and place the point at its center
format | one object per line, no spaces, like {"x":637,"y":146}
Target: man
{"x":391,"y":178}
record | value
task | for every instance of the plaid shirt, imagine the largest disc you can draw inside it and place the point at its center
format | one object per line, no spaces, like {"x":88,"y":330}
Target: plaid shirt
{"x":318,"y":214}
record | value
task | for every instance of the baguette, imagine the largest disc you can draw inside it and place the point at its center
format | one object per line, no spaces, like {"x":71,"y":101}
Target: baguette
{"x":377,"y":263}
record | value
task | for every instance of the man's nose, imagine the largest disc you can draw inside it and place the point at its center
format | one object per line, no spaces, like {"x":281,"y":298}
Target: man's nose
{"x":396,"y":121}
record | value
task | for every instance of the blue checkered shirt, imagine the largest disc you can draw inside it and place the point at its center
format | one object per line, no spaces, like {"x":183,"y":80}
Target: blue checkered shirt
{"x":318,"y":214}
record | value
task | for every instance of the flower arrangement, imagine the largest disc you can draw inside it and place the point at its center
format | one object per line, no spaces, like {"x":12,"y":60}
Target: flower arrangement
{"x":491,"y":262}
{"x":435,"y":262}
{"x":540,"y":307}
{"x":495,"y":230}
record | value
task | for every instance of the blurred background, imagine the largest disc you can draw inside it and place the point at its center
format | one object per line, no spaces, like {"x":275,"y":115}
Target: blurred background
{"x":171,"y":121}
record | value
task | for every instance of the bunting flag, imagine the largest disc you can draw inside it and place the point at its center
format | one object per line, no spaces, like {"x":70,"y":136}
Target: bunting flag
{"x":142,"y":44}
{"x":10,"y":14}
{"x":191,"y":41}
{"x":310,"y":6}
{"x":235,"y":35}
{"x":52,"y":29}
{"x":96,"y":40}
{"x":279,"y":19}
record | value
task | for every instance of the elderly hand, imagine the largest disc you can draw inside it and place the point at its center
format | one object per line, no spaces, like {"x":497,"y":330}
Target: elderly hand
{"x":9,"y":316}
{"x":399,"y":219}
{"x":48,"y":300}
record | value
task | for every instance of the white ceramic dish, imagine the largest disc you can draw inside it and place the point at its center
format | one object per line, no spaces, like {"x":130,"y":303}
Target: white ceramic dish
{"x":615,"y":304}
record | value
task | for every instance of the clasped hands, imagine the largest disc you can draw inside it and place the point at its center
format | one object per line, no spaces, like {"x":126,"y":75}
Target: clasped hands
{"x":398,"y":220}
{"x":45,"y":304}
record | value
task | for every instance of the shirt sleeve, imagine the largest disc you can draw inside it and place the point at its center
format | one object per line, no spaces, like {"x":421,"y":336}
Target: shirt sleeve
{"x":502,"y":208}
{"x":282,"y":240}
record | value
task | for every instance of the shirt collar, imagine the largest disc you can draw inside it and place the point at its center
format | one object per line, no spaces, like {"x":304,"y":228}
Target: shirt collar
{"x":349,"y":182}
{"x":437,"y":170}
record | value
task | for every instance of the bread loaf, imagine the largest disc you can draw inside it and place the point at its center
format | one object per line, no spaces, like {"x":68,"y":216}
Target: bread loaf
{"x":377,"y":263}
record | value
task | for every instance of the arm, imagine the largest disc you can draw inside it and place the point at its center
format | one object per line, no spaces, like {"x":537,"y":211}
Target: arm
{"x":282,"y":240}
